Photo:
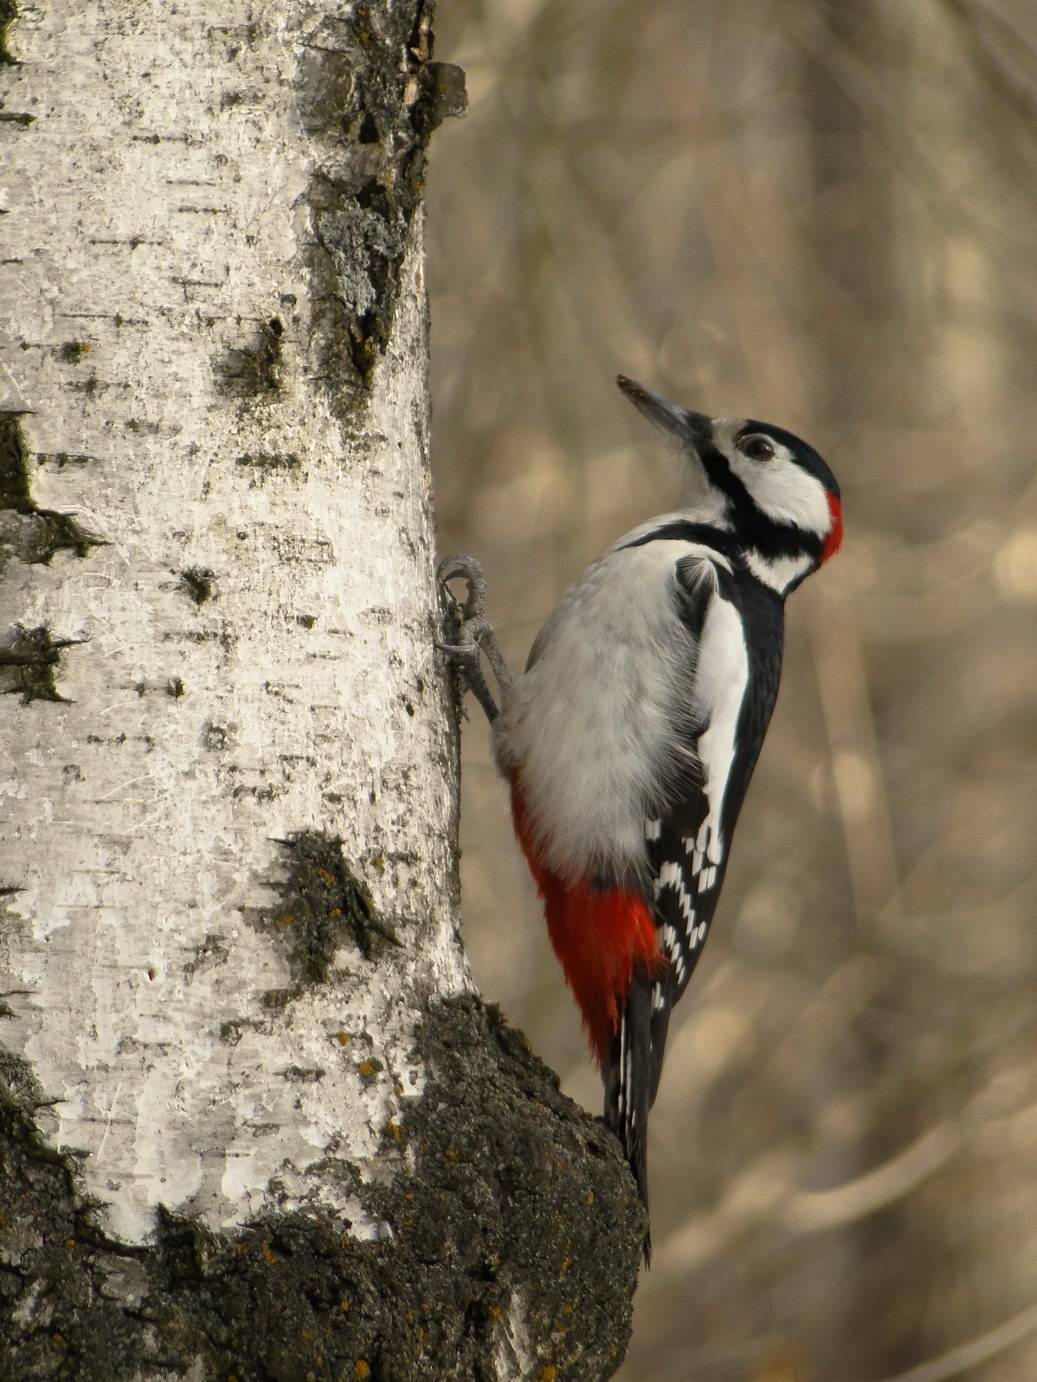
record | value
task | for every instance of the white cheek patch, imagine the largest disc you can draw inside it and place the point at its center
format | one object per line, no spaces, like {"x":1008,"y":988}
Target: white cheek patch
{"x":784,"y":491}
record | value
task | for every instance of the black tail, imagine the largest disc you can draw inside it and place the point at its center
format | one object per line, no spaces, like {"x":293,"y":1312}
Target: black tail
{"x":631,"y":1075}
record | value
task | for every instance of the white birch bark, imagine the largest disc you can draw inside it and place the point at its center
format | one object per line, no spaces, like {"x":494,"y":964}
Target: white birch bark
{"x":160,"y":318}
{"x":242,"y":1131}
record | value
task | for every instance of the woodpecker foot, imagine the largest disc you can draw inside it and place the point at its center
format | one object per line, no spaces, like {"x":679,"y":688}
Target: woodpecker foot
{"x":471,"y":633}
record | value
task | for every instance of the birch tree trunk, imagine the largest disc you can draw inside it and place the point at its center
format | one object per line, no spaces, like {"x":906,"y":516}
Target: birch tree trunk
{"x":254,"y":1121}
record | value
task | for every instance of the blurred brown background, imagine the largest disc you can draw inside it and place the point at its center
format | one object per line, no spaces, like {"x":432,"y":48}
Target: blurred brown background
{"x":820,"y":213}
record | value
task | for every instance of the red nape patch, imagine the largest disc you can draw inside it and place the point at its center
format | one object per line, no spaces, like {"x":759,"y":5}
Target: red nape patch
{"x":598,"y":934}
{"x":835,"y":533}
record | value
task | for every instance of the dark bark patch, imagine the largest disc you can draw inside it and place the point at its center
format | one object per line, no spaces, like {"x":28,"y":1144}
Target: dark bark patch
{"x":8,"y":14}
{"x":443,"y":94}
{"x":304,"y":1074}
{"x":519,"y":1202}
{"x":264,"y":463}
{"x":254,"y":371}
{"x":212,"y":953}
{"x":71,"y":352}
{"x":197,"y":581}
{"x":511,"y":1203}
{"x":320,"y":906}
{"x":29,"y":660}
{"x":370,"y":121}
{"x":26,"y":531}
{"x":215,"y":737}
{"x":14,"y":466}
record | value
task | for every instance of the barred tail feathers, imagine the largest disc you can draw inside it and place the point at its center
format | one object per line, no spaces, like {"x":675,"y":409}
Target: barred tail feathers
{"x":629,"y":1092}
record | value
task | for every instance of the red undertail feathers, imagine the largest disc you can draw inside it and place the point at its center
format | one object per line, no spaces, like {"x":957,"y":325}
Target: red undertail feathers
{"x":599,"y":935}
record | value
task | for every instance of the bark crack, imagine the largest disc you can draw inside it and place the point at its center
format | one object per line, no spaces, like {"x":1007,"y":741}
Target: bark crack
{"x":28,"y":661}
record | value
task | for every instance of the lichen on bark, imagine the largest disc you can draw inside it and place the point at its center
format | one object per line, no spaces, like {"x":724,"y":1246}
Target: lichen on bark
{"x":8,"y":14}
{"x":370,"y":122}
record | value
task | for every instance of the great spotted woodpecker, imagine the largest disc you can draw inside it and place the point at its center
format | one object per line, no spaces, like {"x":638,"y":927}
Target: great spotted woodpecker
{"x":630,"y":738}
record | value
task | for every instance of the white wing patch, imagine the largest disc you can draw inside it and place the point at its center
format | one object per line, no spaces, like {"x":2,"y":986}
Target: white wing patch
{"x":721,"y":677}
{"x":626,"y":1078}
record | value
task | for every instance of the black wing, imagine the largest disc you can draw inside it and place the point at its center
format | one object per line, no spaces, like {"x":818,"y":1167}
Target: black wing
{"x":686,"y":863}
{"x":686,"y":846}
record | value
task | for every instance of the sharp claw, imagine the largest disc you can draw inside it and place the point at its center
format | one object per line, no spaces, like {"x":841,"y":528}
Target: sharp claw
{"x":457,"y":564}
{"x":468,"y":624}
{"x":472,"y":572}
{"x":459,"y":652}
{"x":470,"y":635}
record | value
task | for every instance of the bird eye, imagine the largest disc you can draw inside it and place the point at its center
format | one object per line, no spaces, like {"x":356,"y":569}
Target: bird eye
{"x":757,"y":448}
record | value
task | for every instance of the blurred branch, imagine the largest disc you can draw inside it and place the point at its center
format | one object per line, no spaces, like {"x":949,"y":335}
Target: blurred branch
{"x":763,"y":1191}
{"x":873,"y":102}
{"x":977,"y":1351}
{"x":860,"y":785}
{"x":1014,"y":88}
{"x":812,"y":1211}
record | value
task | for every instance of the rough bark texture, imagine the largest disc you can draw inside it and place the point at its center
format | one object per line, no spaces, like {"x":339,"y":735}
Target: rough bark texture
{"x":253,"y":1121}
{"x":512,"y":1250}
{"x":222,"y":620}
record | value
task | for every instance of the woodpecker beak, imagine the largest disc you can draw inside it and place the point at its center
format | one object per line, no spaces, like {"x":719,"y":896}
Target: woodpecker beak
{"x":687,"y":428}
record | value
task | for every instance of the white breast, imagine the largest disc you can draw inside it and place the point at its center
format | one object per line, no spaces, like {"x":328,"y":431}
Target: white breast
{"x":595,"y":724}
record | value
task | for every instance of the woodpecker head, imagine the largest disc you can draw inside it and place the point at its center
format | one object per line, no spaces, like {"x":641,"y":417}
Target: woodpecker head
{"x":772,"y":491}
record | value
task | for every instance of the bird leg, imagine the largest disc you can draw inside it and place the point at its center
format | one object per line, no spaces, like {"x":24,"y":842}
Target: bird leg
{"x":472,"y":634}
